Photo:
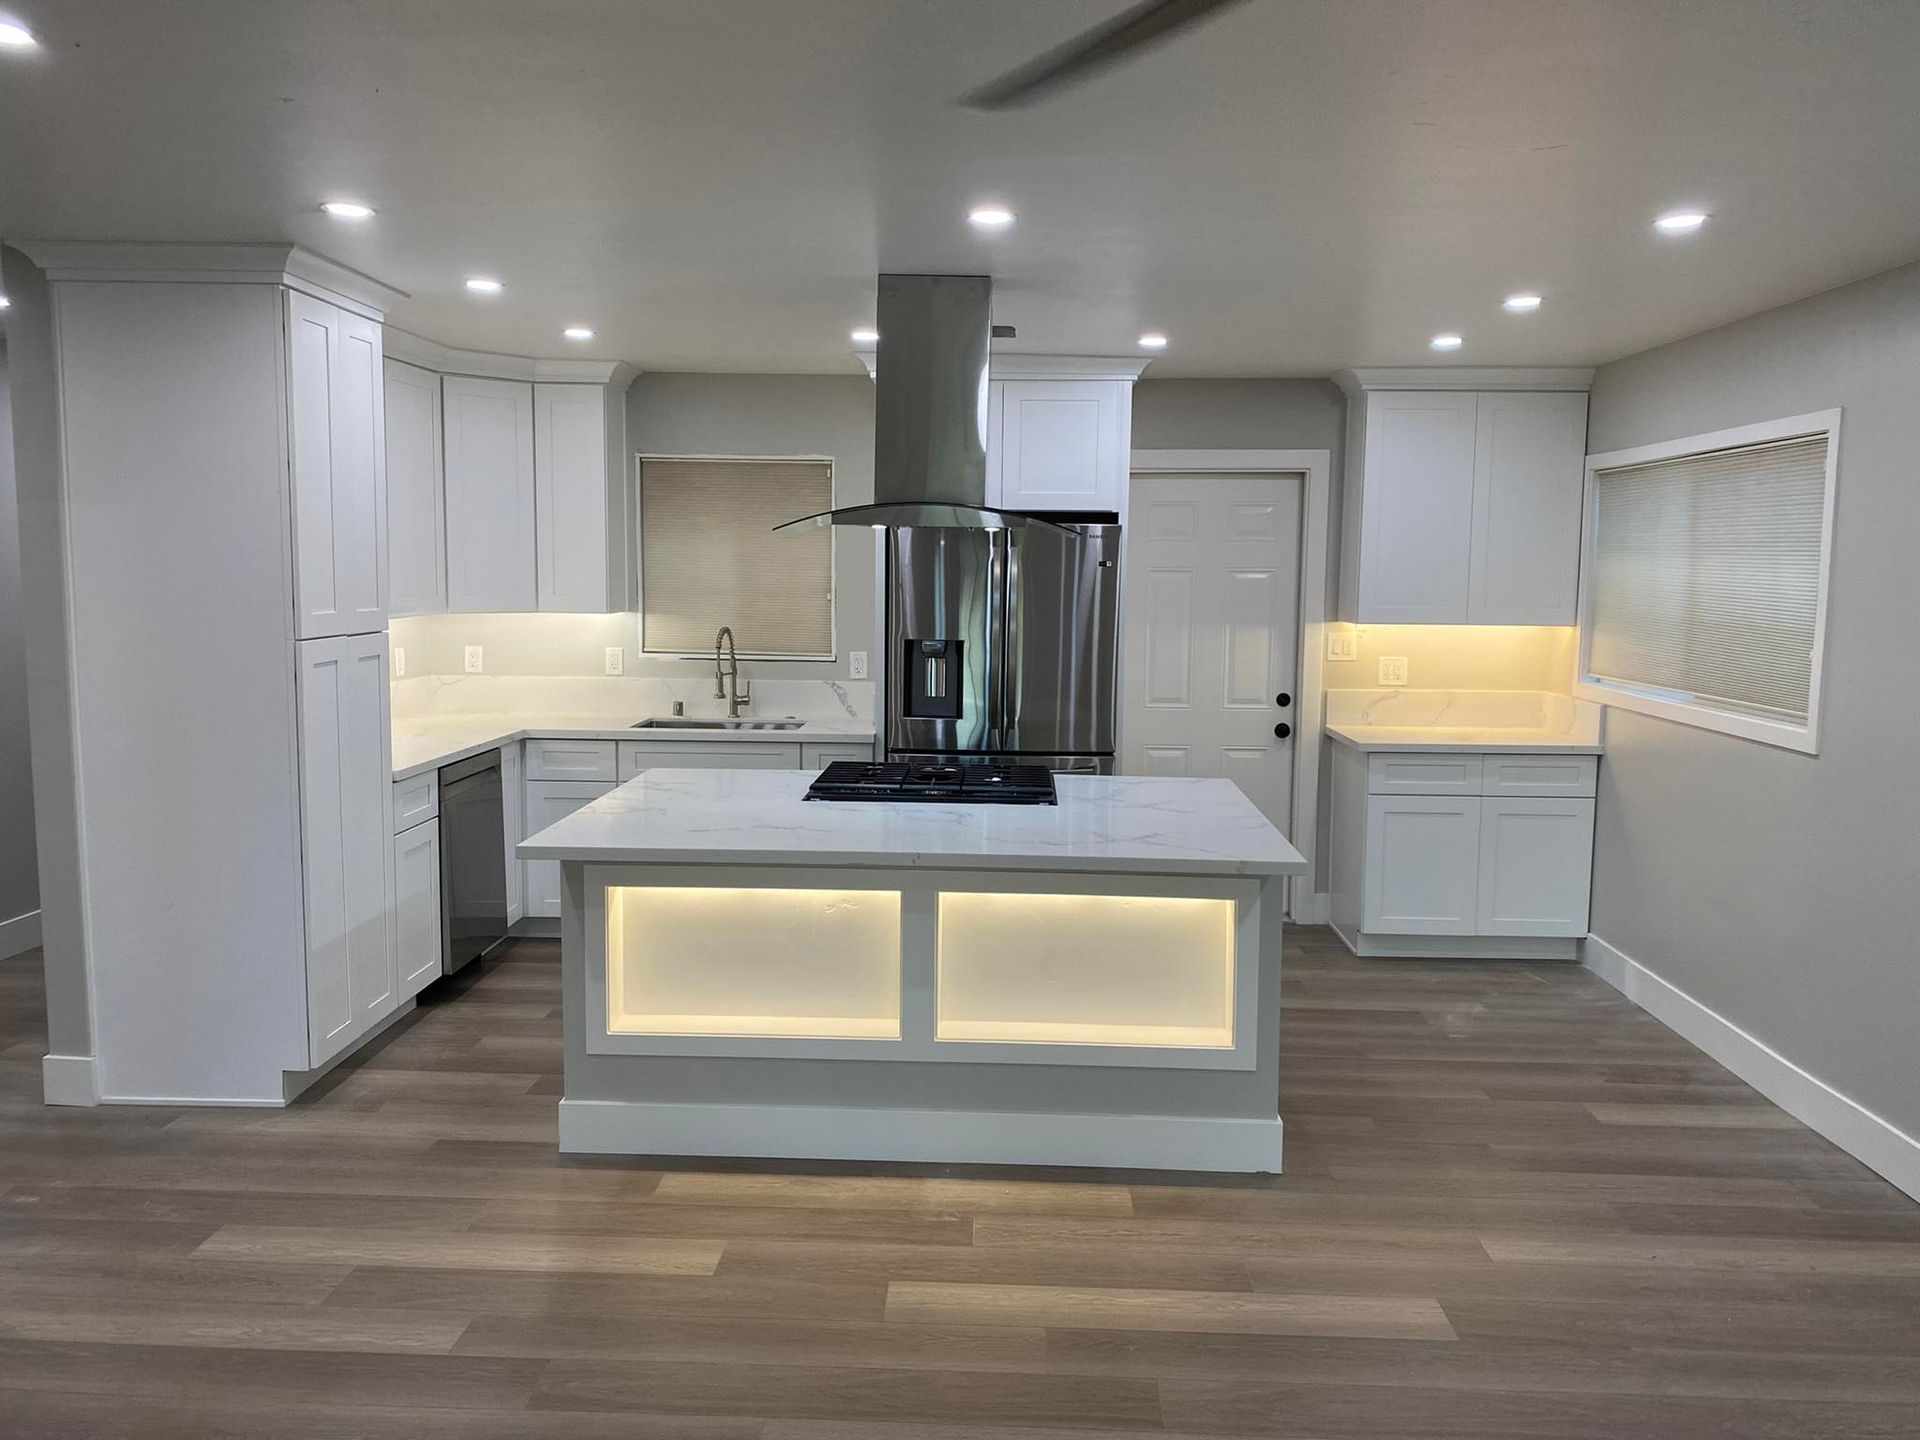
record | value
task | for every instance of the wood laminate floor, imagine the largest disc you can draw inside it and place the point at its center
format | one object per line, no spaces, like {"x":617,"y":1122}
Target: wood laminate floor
{"x":1515,"y":1206}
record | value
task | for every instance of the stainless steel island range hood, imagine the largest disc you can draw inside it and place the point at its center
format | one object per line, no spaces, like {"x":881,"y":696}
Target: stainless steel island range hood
{"x":930,"y":399}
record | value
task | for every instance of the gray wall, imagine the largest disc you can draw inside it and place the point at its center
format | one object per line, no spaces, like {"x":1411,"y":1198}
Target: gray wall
{"x":1783,"y":890}
{"x":19,"y":882}
{"x":675,"y":414}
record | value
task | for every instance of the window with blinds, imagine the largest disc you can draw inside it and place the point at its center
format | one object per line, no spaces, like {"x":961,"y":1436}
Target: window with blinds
{"x":1704,"y":584}
{"x":709,"y":557}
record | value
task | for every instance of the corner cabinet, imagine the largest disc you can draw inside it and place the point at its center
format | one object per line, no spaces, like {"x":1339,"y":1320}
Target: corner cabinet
{"x":1450,"y":854}
{"x":416,"y":492}
{"x":1463,"y":496}
{"x":581,"y":530}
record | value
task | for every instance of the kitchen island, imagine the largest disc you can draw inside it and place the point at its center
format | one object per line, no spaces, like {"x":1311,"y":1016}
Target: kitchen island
{"x":750,"y":973}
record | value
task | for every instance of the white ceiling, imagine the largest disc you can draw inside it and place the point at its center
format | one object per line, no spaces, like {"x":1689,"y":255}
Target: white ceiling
{"x":1292,"y":187}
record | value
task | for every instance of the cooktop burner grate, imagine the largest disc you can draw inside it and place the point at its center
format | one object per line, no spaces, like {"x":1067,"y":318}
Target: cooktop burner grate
{"x":960,"y":783}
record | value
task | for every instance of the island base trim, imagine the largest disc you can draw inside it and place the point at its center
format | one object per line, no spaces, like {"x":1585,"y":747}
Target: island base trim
{"x":956,"y":1137}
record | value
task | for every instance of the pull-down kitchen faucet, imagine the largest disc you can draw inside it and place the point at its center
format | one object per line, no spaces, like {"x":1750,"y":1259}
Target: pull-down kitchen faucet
{"x":726,"y":682}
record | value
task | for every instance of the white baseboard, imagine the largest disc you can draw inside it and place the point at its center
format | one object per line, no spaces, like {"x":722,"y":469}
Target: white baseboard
{"x":20,"y":934}
{"x":68,"y":1080}
{"x":958,"y":1137}
{"x":1876,"y":1143}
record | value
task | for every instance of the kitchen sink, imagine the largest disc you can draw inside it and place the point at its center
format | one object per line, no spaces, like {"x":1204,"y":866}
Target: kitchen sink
{"x":679,"y":723}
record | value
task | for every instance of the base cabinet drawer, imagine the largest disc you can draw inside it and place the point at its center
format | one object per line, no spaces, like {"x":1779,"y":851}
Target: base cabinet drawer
{"x":416,"y":906}
{"x":822,"y":753}
{"x":1422,"y":863}
{"x":548,"y":802}
{"x":1536,"y":866}
{"x":415,"y":799}
{"x":1539,"y":774}
{"x":570,"y":760}
{"x":1422,"y":774}
{"x":638,"y":755}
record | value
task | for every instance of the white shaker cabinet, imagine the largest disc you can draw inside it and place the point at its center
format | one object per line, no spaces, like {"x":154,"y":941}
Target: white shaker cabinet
{"x":346,"y":839}
{"x":416,"y":492}
{"x":1462,"y":505}
{"x":1536,"y":867}
{"x":513,"y":808}
{"x":489,"y":494}
{"x":335,"y":402}
{"x":416,"y":906}
{"x":1422,"y":864}
{"x":1059,"y":444}
{"x":548,"y":802}
{"x":580,"y":515}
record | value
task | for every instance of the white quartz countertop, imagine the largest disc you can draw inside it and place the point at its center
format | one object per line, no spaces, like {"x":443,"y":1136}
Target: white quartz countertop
{"x":1484,"y":739}
{"x":426,"y":743}
{"x":1122,"y":824}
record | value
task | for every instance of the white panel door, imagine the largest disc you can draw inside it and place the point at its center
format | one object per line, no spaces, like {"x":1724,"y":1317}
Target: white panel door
{"x":346,"y":838}
{"x":570,"y":496}
{"x":1417,"y":508}
{"x":416,"y":907}
{"x":335,"y":405}
{"x":513,"y":807}
{"x":1536,"y":866}
{"x":548,"y":802}
{"x":1061,"y":444}
{"x":1211,"y":590}
{"x":416,"y":492}
{"x":490,"y":511}
{"x":1529,"y":467}
{"x":1422,"y":865}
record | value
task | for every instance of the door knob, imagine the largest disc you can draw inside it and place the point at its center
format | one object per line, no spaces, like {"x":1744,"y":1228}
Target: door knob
{"x":1283,"y":699}
{"x":1282,"y":730}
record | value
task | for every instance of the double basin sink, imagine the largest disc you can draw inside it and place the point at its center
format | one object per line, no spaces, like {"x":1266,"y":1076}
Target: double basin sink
{"x":681,"y":723}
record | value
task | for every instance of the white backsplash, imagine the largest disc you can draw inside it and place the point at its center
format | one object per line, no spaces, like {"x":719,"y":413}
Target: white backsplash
{"x":622,"y":699}
{"x":1490,"y":709}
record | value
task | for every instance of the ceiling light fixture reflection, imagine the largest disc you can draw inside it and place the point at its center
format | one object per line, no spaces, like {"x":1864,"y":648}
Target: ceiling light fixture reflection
{"x":1680,"y":222}
{"x":16,"y":37}
{"x":481,"y":285}
{"x":577,"y":332}
{"x":865,"y":335}
{"x":990,"y":217}
{"x":1153,"y":340}
{"x":347,"y":209}
{"x":1447,"y":341}
{"x":1522,"y":304}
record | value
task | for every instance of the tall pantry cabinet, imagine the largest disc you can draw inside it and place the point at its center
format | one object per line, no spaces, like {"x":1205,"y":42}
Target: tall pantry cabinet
{"x":220,"y":464}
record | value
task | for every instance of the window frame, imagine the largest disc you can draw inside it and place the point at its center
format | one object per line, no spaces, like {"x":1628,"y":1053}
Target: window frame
{"x":640,"y":459}
{"x":1681,"y":706}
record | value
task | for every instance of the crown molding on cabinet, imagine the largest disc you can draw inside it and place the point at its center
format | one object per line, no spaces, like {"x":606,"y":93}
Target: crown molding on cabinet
{"x":432,"y":355}
{"x":274,"y":264}
{"x":1360,"y":380}
{"x":1050,"y":367}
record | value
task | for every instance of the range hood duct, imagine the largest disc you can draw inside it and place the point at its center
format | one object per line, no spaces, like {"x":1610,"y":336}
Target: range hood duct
{"x":930,"y":410}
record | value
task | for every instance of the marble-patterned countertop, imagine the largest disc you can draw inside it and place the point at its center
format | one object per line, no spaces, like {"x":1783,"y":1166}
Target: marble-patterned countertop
{"x":428,"y":742}
{"x":1476,"y":721}
{"x":1473,"y":739}
{"x":1124,"y":824}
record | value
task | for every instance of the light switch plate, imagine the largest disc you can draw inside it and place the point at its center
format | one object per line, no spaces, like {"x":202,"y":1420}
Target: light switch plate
{"x":1343,"y":645}
{"x":399,"y":661}
{"x":1393,"y":669}
{"x":616,"y":660}
{"x":856,"y":664}
{"x":473,"y":659}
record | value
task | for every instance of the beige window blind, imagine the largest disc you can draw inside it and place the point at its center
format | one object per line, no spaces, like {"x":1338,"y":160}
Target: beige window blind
{"x":1706,"y":576}
{"x":709,"y":557}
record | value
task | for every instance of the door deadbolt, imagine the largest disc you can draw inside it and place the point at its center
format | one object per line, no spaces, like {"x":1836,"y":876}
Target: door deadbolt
{"x":1283,"y":699}
{"x":1282,"y":730}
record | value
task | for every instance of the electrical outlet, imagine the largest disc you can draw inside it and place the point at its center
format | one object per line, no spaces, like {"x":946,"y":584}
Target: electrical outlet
{"x":473,"y":660}
{"x":1343,"y":645}
{"x":1393,"y":669}
{"x":616,"y":660}
{"x":856,"y":664}
{"x":399,"y":661}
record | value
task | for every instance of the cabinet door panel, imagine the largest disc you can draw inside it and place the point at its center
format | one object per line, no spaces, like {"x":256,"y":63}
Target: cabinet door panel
{"x":638,"y":755}
{"x":570,"y":496}
{"x":1422,"y":863}
{"x":346,"y":835}
{"x":416,"y":491}
{"x":335,"y":404}
{"x":1529,"y":470}
{"x":1536,"y":866}
{"x":490,"y":510}
{"x":548,"y":802}
{"x":513,"y":808}
{"x":416,"y":907}
{"x":1417,"y":508}
{"x":1062,"y":444}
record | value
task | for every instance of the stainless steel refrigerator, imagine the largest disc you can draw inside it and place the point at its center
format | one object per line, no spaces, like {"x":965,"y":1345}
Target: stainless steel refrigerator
{"x":1001,"y":645}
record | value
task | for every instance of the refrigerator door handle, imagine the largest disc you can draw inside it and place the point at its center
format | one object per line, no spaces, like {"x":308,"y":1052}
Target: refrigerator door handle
{"x":993,"y":694}
{"x":1011,"y":640}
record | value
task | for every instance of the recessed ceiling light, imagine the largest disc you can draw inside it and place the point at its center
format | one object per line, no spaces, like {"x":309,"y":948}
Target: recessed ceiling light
{"x":1523,"y":303}
{"x":1153,"y":340}
{"x":865,"y":335}
{"x":990,"y":217}
{"x":1680,"y":222}
{"x":5,"y":303}
{"x":1445,"y":342}
{"x":481,"y":285}
{"x":16,"y":37}
{"x":577,"y":332}
{"x":347,"y":209}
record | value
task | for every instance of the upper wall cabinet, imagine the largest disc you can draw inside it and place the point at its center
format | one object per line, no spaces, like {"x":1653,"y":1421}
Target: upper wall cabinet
{"x":490,"y":510}
{"x":580,"y":510}
{"x":335,"y":403}
{"x":416,"y":492}
{"x":1058,"y":444}
{"x":1463,"y":496}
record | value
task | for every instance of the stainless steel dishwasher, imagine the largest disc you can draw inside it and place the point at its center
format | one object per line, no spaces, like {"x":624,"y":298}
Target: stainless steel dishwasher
{"x":473,"y":860}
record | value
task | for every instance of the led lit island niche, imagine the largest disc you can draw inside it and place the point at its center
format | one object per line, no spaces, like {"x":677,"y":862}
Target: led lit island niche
{"x":749,"y":973}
